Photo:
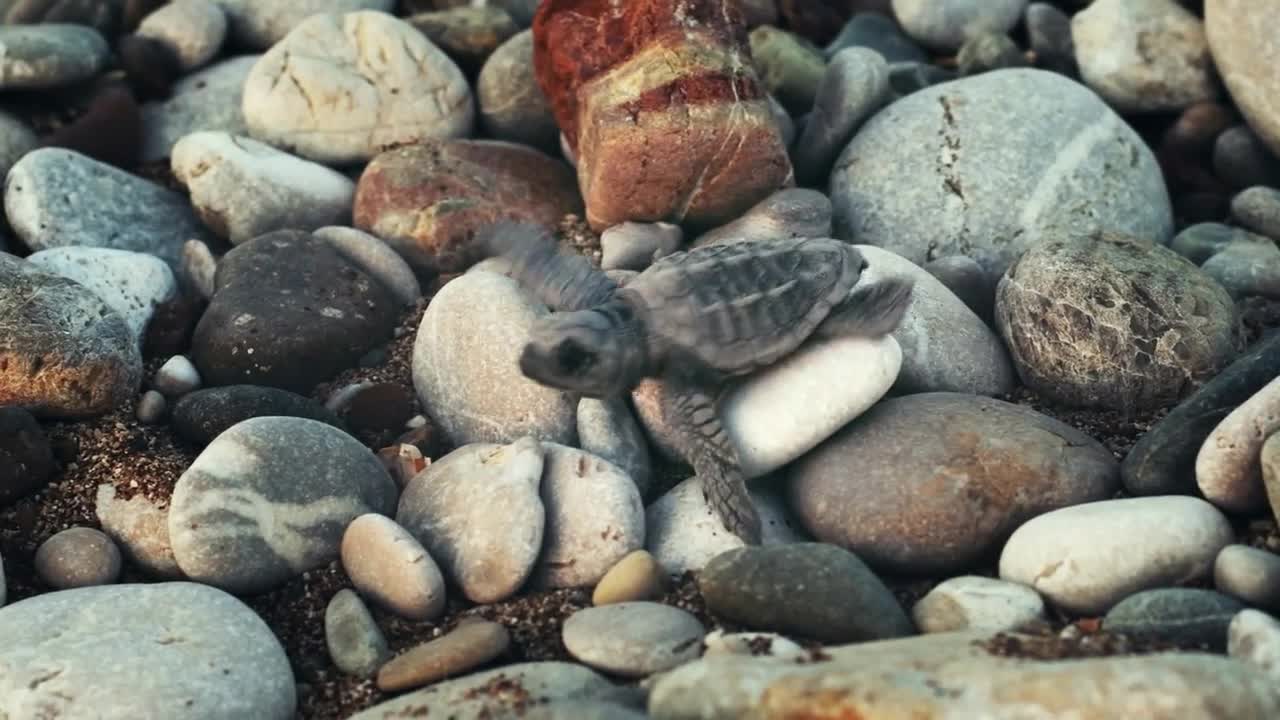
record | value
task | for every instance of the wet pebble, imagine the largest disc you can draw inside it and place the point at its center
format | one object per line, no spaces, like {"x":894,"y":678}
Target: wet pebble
{"x":816,"y":590}
{"x":1187,"y":616}
{"x":633,"y":639}
{"x":466,"y":647}
{"x":973,"y":602}
{"x":637,"y":576}
{"x":78,"y":557}
{"x":1087,"y":558}
{"x":354,"y":640}
{"x":1250,"y":574}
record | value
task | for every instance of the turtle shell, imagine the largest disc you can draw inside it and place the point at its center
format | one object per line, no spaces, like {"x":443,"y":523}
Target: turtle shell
{"x":740,"y":306}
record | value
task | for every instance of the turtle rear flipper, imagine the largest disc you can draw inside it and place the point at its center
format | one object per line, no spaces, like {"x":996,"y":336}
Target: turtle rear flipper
{"x":871,"y":310}
{"x":692,"y":413}
{"x":564,"y":281}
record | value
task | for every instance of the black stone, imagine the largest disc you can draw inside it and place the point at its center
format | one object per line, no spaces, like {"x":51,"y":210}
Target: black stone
{"x":201,"y":416}
{"x":1163,"y":460}
{"x":26,"y":458}
{"x":289,"y":311}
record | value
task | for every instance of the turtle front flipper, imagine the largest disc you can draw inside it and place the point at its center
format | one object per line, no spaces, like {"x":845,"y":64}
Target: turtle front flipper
{"x":692,"y":414}
{"x":563,"y":281}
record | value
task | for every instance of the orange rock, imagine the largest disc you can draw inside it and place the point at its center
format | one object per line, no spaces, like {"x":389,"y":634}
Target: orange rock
{"x":662,"y":105}
{"x":428,"y":200}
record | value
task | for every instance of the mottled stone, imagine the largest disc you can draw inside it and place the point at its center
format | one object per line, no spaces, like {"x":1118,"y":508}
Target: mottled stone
{"x":354,"y":641}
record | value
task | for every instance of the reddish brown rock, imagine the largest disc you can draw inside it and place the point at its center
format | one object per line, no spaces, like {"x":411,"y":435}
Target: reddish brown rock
{"x":662,"y":106}
{"x":428,"y":200}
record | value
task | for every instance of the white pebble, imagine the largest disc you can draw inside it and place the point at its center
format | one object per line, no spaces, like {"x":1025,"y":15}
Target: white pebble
{"x":177,"y":377}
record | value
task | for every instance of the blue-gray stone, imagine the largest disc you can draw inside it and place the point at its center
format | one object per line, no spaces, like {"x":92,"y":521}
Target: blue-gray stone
{"x":1185,"y":616}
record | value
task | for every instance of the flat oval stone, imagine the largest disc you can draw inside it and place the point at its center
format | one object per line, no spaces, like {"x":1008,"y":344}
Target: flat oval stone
{"x":44,"y":202}
{"x":779,"y":413}
{"x":1088,"y":557}
{"x":466,"y":370}
{"x":1187,"y":616}
{"x":816,"y":590}
{"x":594,"y":518}
{"x":930,"y":482}
{"x":1250,"y":574}
{"x":390,"y":567}
{"x":134,"y":284}
{"x":203,"y":415}
{"x":354,"y":640}
{"x":371,"y":64}
{"x":633,"y":639}
{"x":242,"y":188}
{"x":469,"y":645}
{"x":203,"y":650}
{"x":638,"y":576}
{"x":472,"y":696}
{"x":63,"y":351}
{"x":683,"y":533}
{"x":974,"y":602}
{"x":1228,"y":468}
{"x":449,"y":508}
{"x":954,"y":170}
{"x":50,"y":55}
{"x":1162,"y":462}
{"x":269,"y":499}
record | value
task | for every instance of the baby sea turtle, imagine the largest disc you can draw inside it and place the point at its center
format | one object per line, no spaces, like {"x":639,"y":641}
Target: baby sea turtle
{"x":694,"y":319}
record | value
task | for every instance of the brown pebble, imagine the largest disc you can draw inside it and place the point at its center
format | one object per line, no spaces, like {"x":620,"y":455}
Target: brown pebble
{"x":78,"y":557}
{"x":637,"y":576}
{"x":470,"y":645}
{"x":110,"y":130}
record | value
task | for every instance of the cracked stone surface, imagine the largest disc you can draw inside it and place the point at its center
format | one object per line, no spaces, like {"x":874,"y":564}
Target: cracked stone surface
{"x":340,"y":88}
{"x":1086,"y":558}
{"x":957,"y":169}
{"x":1114,"y":321}
{"x":928,"y":483}
{"x":193,"y":647}
{"x":269,"y":499}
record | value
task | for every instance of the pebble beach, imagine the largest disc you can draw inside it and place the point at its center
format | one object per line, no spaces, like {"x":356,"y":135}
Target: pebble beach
{"x":267,"y":450}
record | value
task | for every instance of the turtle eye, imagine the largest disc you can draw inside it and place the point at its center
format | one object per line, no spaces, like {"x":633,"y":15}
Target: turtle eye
{"x":572,"y":357}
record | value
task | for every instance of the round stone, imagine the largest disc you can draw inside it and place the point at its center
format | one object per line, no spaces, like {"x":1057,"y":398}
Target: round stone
{"x":389,"y":566}
{"x":956,"y":169}
{"x":1114,"y":321}
{"x":1086,"y":558}
{"x":633,"y":639}
{"x":377,"y":68}
{"x":78,"y":557}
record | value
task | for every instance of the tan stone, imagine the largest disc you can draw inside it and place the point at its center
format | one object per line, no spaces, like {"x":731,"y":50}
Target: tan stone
{"x":470,"y":645}
{"x":1246,"y":50}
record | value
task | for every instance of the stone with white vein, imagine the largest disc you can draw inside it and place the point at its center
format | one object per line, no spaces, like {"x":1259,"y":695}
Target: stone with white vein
{"x":269,"y":499}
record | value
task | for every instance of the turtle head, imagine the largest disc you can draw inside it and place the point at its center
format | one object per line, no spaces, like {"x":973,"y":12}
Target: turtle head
{"x":587,"y":352}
